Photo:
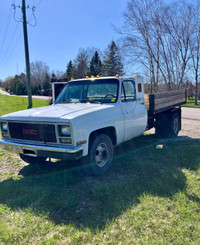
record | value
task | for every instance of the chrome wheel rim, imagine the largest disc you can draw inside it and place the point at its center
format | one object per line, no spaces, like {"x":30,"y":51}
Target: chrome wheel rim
{"x":101,"y":156}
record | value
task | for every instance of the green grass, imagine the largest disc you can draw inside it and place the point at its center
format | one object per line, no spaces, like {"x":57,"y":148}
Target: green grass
{"x":15,"y":103}
{"x":191,"y":104}
{"x":151,"y":195}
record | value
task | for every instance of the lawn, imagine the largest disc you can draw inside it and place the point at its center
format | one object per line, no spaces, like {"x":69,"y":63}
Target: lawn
{"x":151,"y":195}
{"x":191,"y":104}
{"x":15,"y":103}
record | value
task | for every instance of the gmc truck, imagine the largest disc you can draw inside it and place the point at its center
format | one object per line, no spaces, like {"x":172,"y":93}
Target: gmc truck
{"x":89,"y":118}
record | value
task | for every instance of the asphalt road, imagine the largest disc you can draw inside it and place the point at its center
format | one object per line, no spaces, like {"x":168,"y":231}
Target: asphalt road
{"x":191,"y":113}
{"x":48,"y":98}
{"x":3,"y":92}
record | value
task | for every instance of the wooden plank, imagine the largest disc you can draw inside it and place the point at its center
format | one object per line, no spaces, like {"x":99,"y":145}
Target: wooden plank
{"x":168,"y":104}
{"x":146,"y":100}
{"x":160,"y":101}
{"x":169,"y":93}
{"x":169,"y":99}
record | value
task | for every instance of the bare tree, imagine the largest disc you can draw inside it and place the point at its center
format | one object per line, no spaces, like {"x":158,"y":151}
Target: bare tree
{"x":81,"y":64}
{"x":156,"y":36}
{"x":195,"y":46}
{"x":39,"y":71}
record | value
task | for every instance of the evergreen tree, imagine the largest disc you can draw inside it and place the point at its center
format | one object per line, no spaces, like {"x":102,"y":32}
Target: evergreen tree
{"x":70,"y":70}
{"x":112,"y":61}
{"x":47,"y":85}
{"x":95,"y":65}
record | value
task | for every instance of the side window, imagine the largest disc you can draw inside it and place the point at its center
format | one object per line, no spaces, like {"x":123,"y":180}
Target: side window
{"x":128,"y":91}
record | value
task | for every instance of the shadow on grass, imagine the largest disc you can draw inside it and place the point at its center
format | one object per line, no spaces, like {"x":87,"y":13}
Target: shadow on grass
{"x":146,"y":165}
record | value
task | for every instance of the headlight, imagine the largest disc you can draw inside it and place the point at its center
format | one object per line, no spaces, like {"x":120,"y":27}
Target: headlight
{"x":65,"y":130}
{"x":4,"y":127}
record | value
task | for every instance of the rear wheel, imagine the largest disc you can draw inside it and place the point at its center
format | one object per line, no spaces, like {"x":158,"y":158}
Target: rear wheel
{"x":33,"y":160}
{"x":168,"y":125}
{"x":175,"y":124}
{"x":100,"y":155}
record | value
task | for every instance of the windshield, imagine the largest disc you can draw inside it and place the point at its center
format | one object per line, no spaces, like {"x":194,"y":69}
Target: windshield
{"x":92,"y":91}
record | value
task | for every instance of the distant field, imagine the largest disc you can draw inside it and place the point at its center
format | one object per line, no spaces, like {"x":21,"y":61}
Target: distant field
{"x":15,"y":103}
{"x":151,"y":195}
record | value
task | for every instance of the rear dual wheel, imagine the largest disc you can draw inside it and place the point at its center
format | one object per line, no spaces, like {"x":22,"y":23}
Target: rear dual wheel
{"x":168,"y":126}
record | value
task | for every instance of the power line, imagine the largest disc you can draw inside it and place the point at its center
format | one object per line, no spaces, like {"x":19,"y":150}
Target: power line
{"x":6,"y":30}
{"x":9,"y":44}
{"x":11,"y":51}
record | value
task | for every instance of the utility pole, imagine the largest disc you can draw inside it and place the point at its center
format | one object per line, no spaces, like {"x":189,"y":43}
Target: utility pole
{"x":28,"y":77}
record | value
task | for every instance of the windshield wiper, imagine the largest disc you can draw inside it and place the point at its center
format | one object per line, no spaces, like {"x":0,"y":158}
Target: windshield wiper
{"x":91,"y":101}
{"x":65,"y":101}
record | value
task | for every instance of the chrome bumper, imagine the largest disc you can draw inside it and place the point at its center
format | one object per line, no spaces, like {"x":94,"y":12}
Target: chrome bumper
{"x":53,"y":151}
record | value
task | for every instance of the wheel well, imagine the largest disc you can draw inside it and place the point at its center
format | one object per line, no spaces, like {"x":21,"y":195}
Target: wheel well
{"x":110,"y":131}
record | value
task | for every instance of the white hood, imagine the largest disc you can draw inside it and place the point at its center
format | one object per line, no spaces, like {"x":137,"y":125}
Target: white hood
{"x":54,"y":112}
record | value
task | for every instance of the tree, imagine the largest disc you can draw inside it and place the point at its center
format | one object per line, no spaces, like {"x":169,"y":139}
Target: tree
{"x":81,"y":64}
{"x":95,"y":65}
{"x":195,"y":46}
{"x":156,"y":36}
{"x":112,"y":63}
{"x":70,"y":70}
{"x":39,"y":71}
{"x":19,"y":84}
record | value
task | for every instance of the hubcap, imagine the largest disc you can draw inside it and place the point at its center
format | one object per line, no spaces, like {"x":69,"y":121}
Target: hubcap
{"x":101,"y":156}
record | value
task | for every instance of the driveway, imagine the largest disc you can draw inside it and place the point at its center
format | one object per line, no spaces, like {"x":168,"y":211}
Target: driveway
{"x":191,"y":113}
{"x":3,"y":92}
{"x":48,"y":98}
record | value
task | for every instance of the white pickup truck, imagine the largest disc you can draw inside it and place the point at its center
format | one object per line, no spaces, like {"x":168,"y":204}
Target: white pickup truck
{"x":89,"y":117}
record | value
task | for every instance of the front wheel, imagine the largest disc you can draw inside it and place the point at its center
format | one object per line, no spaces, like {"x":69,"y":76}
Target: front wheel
{"x":100,"y":155}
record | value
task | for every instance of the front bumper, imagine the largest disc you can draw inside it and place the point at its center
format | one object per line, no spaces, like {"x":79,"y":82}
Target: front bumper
{"x":40,"y":150}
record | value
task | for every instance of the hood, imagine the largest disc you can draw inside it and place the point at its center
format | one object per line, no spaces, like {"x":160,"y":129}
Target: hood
{"x":53,"y":112}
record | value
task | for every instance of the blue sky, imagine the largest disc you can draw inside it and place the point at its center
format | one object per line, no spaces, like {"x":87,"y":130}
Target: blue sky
{"x":63,"y":26}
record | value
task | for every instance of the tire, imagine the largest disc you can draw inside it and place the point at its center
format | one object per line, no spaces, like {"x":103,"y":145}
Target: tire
{"x":33,"y":160}
{"x":168,"y":126}
{"x":162,"y":126}
{"x":100,"y":155}
{"x":175,"y":124}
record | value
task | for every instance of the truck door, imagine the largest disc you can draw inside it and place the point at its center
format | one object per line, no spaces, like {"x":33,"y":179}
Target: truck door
{"x":133,"y":109}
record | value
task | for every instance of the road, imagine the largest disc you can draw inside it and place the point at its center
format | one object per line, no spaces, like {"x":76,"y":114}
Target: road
{"x":3,"y":92}
{"x":191,"y":113}
{"x":48,"y":98}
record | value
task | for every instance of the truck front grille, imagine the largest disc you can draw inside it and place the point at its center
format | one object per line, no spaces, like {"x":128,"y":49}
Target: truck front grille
{"x":33,"y":132}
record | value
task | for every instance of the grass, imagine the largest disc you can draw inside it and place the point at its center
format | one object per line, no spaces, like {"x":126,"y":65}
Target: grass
{"x":15,"y":103}
{"x":151,"y":195}
{"x":191,"y":104}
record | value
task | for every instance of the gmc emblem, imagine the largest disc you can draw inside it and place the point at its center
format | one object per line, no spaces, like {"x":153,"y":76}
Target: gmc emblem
{"x":29,"y":132}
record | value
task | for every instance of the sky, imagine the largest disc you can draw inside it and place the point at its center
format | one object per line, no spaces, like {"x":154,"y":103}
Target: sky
{"x":63,"y":27}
